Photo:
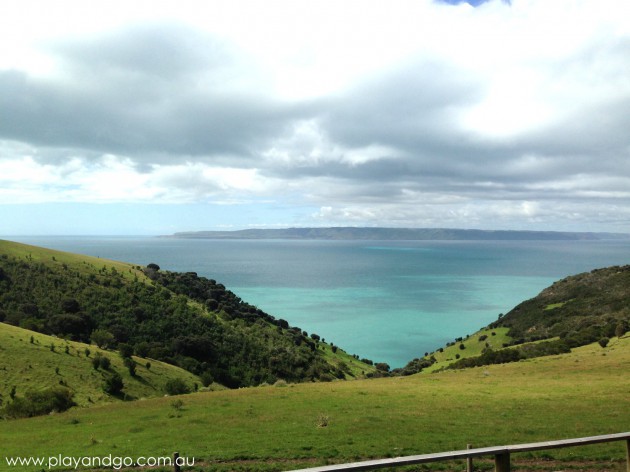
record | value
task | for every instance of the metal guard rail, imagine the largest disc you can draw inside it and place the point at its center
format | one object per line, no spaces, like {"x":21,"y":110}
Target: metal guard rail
{"x":501,"y":454}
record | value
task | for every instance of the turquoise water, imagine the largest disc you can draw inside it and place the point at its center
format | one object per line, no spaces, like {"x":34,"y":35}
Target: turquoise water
{"x":387,"y":301}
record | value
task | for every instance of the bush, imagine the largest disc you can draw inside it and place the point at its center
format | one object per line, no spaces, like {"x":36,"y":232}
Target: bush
{"x":36,"y":403}
{"x":100,"y":361}
{"x":206,"y":379}
{"x":130,"y":365}
{"x":113,"y":384}
{"x":102,"y":338}
{"x":176,"y":387}
{"x":125,"y":350}
{"x":621,"y":329}
{"x":603,"y":342}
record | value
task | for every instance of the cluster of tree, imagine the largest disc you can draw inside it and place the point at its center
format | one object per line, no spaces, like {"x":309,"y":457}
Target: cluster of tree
{"x":580,"y":309}
{"x":220,"y":337}
{"x":415,"y":366}
{"x":35,"y":403}
{"x":502,"y":356}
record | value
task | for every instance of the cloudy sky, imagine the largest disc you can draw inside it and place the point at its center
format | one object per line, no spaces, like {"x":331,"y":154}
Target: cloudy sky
{"x":150,"y":117}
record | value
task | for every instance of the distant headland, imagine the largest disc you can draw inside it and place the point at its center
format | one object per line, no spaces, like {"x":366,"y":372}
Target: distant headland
{"x":400,"y":234}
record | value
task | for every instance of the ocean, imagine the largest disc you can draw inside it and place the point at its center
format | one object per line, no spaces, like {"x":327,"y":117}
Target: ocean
{"x":389,"y":301}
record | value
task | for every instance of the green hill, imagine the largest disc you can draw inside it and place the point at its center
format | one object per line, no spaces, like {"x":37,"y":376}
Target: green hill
{"x":581,"y":393}
{"x":34,"y":361}
{"x":579,"y":309}
{"x":181,"y":319}
{"x":573,"y":312}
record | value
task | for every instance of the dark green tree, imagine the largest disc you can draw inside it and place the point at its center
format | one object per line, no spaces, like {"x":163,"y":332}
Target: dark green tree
{"x":113,"y":384}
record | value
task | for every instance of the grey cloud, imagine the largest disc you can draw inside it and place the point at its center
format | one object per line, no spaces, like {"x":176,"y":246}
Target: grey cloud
{"x":412,"y":111}
{"x":162,"y":52}
{"x":160,"y":92}
{"x":407,"y":108}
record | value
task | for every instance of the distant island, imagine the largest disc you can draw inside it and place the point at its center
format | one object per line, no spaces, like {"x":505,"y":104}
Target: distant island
{"x":400,"y":234}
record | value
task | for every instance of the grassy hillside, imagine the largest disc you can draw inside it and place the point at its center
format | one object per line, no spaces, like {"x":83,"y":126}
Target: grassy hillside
{"x":179,"y":318}
{"x":582,"y":393}
{"x":575,"y":311}
{"x":34,"y":361}
{"x":579,"y":309}
{"x":82,"y":264}
{"x":473,"y":346}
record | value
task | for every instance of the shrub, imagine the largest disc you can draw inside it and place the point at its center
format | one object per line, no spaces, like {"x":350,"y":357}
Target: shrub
{"x":131,"y":366}
{"x":36,"y":403}
{"x":102,"y":338}
{"x":322,"y":420}
{"x":621,"y":329}
{"x":206,"y":379}
{"x":176,"y":387}
{"x":125,"y":350}
{"x":603,"y":342}
{"x":462,"y":347}
{"x":113,"y":384}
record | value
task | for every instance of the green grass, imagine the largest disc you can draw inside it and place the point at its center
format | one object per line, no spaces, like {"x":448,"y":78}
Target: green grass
{"x":346,"y":362}
{"x":81,"y":263}
{"x":553,"y":306}
{"x":586,"y":392}
{"x":33,"y":365}
{"x":473,"y":347}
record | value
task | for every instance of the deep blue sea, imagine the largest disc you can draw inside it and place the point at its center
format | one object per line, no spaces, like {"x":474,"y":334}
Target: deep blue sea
{"x":389,"y":301}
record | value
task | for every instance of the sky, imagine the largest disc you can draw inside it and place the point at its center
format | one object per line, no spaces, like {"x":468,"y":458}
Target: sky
{"x":151,"y":117}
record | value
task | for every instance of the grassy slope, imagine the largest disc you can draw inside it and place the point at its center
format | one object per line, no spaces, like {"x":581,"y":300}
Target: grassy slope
{"x":27,"y":365}
{"x":579,"y":302}
{"x":473,"y":347}
{"x":583,"y":393}
{"x":81,"y":263}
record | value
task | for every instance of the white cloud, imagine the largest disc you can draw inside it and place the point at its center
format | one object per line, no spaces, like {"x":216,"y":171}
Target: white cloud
{"x":410,"y":112}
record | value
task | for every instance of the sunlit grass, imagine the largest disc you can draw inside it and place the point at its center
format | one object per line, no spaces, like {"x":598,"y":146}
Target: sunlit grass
{"x":583,"y":393}
{"x":32,"y":360}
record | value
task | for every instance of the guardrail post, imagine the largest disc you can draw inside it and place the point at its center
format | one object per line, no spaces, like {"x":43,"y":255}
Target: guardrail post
{"x":469,"y":464}
{"x":628,"y":454}
{"x":502,"y":462}
{"x":176,"y":467}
